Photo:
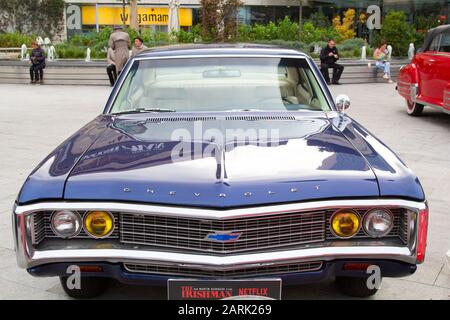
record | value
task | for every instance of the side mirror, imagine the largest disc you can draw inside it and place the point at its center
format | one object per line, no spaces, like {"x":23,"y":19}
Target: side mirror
{"x":342,"y":102}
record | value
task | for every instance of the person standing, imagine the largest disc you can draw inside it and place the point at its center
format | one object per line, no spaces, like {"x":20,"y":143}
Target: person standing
{"x":120,"y":42}
{"x":111,"y":68}
{"x":138,"y":47}
{"x":380,"y":56}
{"x":37,"y":59}
{"x":328,"y":57}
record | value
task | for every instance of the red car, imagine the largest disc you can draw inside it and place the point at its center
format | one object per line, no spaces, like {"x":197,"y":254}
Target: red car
{"x":426,"y":80}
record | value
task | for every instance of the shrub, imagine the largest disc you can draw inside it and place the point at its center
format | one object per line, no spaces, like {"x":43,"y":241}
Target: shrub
{"x":15,"y":40}
{"x":352,"y":44}
{"x":195,"y":35}
{"x":319,"y":20}
{"x":310,"y":34}
{"x":287,"y":30}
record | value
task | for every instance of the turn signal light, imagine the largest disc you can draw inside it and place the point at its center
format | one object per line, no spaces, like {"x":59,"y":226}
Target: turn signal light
{"x":99,"y":224}
{"x":345,"y":223}
{"x":422,"y":235}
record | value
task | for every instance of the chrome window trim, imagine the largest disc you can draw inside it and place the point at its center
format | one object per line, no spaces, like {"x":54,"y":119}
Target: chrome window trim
{"x":270,"y":54}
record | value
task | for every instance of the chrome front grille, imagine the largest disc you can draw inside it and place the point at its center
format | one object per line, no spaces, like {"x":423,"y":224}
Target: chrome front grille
{"x":256,"y":233}
{"x":245,"y":272}
{"x":266,"y":232}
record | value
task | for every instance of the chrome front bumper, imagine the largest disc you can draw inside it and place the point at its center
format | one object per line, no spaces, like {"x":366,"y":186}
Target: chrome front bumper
{"x":30,"y":256}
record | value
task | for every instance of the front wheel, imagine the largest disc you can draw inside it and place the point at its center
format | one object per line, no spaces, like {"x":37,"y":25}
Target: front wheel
{"x":414,"y":108}
{"x":89,"y":287}
{"x":354,"y":287}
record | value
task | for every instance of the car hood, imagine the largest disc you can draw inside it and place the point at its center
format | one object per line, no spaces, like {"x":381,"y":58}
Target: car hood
{"x":221,"y":161}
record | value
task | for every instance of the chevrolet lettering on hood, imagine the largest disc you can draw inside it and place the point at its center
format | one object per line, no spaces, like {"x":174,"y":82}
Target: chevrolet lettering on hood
{"x":227,"y":164}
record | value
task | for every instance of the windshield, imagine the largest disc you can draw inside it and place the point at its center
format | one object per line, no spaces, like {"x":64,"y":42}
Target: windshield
{"x":220,"y":84}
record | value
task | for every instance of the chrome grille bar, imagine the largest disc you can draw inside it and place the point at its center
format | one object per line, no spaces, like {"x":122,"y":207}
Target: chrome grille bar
{"x":256,"y":271}
{"x":256,"y":233}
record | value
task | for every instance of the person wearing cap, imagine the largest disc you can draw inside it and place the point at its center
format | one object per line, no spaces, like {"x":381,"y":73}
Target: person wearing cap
{"x":37,"y":59}
{"x":120,"y":42}
{"x":138,"y":47}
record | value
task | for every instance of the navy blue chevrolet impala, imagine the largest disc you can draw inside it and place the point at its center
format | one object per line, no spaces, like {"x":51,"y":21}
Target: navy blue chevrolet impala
{"x":229,"y":165}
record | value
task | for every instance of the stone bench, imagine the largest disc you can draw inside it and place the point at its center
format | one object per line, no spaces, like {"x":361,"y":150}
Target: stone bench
{"x":78,"y":72}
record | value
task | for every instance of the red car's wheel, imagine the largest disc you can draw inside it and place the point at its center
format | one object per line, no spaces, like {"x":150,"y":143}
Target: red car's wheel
{"x":414,"y":108}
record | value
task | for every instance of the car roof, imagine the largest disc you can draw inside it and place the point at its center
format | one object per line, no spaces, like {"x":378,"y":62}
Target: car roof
{"x":441,"y":29}
{"x":432,"y":33}
{"x":218,"y":49}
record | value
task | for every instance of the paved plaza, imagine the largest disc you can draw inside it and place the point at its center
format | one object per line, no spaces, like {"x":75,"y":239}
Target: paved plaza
{"x":35,"y":119}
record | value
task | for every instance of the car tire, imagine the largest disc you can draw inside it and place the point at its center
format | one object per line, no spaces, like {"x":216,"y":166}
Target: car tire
{"x":90,"y":287}
{"x":354,"y":287}
{"x":414,"y":108}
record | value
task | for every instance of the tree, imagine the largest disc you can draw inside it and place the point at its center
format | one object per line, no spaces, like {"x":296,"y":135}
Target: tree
{"x":43,"y":17}
{"x":219,"y":19}
{"x":134,"y":16}
{"x":229,"y":15}
{"x":397,"y":32}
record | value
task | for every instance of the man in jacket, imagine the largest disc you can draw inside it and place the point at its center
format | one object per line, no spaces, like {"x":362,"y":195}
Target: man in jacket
{"x":120,"y":42}
{"x":328,"y":57}
{"x":37,"y":59}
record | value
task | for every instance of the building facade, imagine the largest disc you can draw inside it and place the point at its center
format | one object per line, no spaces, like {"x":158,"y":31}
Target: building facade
{"x":92,"y":15}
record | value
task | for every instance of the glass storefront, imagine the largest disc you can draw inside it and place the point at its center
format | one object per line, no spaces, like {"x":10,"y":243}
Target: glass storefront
{"x":93,"y":15}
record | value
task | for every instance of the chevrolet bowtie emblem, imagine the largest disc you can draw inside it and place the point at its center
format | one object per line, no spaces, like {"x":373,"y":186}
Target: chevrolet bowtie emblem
{"x":223,"y":236}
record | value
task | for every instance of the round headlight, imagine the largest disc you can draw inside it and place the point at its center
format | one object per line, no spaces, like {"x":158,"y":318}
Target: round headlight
{"x":66,"y":224}
{"x":345,"y":223}
{"x":378,"y":222}
{"x":99,"y":224}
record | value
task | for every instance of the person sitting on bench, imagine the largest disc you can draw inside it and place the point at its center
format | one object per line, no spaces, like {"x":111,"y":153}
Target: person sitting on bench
{"x":37,"y":60}
{"x":328,"y":57}
{"x":380,"y":56}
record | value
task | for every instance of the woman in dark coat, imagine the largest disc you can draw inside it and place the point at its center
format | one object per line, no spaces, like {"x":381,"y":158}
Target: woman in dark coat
{"x":37,"y":59}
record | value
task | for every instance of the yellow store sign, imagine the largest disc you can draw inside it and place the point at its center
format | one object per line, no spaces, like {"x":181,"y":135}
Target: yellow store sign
{"x":146,"y":16}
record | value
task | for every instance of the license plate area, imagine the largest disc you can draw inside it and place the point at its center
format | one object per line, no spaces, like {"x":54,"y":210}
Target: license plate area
{"x":239,"y":289}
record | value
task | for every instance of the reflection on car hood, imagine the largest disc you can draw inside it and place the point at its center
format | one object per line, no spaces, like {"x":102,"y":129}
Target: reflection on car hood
{"x":221,"y":162}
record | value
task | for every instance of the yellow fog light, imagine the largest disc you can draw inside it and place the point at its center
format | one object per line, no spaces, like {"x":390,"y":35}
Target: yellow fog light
{"x":99,"y":224}
{"x":345,"y":223}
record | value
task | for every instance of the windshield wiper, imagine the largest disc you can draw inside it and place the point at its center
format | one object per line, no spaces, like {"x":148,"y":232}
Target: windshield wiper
{"x":143,"y":110}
